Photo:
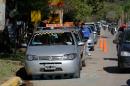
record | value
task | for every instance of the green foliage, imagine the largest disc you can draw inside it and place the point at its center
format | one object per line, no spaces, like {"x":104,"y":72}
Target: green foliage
{"x":111,"y":10}
{"x":96,"y":5}
{"x":126,"y":6}
{"x":80,"y":10}
{"x":14,"y":57}
{"x":83,"y":12}
{"x":10,"y":64}
{"x":8,"y":68}
{"x":24,"y":7}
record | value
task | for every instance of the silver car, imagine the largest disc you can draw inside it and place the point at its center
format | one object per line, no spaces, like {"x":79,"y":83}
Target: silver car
{"x":82,"y":48}
{"x":92,"y":25}
{"x":90,"y":43}
{"x":53,"y":52}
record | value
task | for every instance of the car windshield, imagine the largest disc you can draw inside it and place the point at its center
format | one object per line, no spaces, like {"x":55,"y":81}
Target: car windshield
{"x":127,"y":37}
{"x":52,"y":39}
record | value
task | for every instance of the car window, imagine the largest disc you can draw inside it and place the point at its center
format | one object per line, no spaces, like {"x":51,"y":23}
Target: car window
{"x":52,"y":39}
{"x":127,"y":37}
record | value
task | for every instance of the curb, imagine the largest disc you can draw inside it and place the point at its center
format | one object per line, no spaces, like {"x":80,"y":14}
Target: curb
{"x":14,"y":81}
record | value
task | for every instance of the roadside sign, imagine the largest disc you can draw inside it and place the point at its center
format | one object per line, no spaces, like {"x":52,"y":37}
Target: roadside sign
{"x":54,"y":25}
{"x":35,"y":16}
{"x":69,"y":24}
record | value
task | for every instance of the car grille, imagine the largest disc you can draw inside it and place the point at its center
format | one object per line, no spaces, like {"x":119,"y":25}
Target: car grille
{"x":50,"y":58}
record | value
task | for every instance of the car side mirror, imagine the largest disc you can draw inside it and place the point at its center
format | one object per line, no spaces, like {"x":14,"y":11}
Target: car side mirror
{"x":94,"y":32}
{"x":80,"y":43}
{"x":115,"y":41}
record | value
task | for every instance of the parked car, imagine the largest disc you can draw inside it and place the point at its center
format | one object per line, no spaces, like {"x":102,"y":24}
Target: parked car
{"x":98,"y":26}
{"x":92,"y":25}
{"x":82,"y":48}
{"x":91,"y":43}
{"x":112,"y":28}
{"x":123,"y":49}
{"x":91,"y":40}
{"x":53,"y":52}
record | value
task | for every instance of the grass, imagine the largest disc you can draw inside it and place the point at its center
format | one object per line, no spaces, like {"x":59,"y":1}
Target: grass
{"x":13,"y":57}
{"x":10,"y":64}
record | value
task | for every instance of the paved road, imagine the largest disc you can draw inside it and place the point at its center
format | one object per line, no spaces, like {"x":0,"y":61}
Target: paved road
{"x":101,"y":70}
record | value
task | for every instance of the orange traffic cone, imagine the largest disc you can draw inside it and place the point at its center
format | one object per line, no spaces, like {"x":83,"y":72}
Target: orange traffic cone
{"x":105,"y":48}
{"x":101,"y":43}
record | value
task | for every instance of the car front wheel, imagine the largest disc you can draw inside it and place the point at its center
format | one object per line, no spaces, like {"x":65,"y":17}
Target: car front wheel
{"x":83,"y":63}
{"x":76,"y":75}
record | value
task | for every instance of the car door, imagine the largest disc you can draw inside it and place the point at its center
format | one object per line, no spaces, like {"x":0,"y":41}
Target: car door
{"x":81,"y":48}
{"x":120,"y":41}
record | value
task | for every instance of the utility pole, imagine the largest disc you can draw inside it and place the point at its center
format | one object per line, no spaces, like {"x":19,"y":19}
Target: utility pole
{"x":2,"y":14}
{"x":2,"y":20}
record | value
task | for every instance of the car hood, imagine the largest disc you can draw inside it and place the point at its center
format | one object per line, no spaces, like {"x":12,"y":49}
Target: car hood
{"x":51,"y":50}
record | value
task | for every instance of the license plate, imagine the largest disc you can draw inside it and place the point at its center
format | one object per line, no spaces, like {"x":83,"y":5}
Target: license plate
{"x":49,"y":67}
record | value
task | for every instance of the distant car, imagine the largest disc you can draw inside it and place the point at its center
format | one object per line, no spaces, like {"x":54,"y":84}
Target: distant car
{"x":100,"y":25}
{"x":92,"y":25}
{"x":123,"y":49}
{"x":98,"y":28}
{"x":53,"y":52}
{"x":91,"y":40}
{"x":112,"y":28}
{"x":91,"y":43}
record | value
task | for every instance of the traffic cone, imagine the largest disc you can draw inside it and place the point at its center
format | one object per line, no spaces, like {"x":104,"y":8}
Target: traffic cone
{"x":105,"y":48}
{"x":101,"y":43}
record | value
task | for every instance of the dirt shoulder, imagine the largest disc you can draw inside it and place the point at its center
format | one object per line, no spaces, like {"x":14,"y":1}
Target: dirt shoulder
{"x":9,"y":65}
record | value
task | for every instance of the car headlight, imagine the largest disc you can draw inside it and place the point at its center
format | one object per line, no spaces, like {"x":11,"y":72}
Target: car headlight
{"x":32,"y":57}
{"x":125,"y":53}
{"x":70,"y":56}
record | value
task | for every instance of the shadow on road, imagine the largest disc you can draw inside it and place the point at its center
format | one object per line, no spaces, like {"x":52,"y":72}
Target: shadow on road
{"x":23,"y":75}
{"x":104,"y":36}
{"x":111,"y":59}
{"x":116,"y":70}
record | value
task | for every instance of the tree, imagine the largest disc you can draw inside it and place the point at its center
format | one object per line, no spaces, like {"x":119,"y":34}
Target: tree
{"x":126,"y":10}
{"x":111,"y":11}
{"x":76,"y":10}
{"x":24,"y":7}
{"x":96,"y":5}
